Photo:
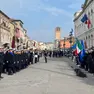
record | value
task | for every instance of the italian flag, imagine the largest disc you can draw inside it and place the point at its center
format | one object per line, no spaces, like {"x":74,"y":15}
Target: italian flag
{"x":79,"y":47}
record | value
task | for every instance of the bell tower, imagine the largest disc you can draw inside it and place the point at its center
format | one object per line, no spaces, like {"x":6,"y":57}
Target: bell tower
{"x":57,"y":33}
{"x":57,"y":37}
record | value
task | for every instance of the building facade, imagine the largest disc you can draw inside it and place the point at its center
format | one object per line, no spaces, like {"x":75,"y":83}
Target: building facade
{"x":12,"y":32}
{"x":42,"y":46}
{"x":4,"y":30}
{"x":49,"y":46}
{"x":65,"y":43}
{"x":19,"y":33}
{"x":82,"y":32}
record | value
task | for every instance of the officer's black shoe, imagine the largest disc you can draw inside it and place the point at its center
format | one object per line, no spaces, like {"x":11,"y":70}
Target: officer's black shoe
{"x":10,"y":73}
{"x":1,"y":77}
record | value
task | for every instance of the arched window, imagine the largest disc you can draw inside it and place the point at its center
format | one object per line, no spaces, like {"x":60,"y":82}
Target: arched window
{"x":88,"y":13}
{"x":89,"y":37}
{"x":1,"y":20}
{"x":86,"y":37}
{"x":4,"y":24}
{"x":91,"y":11}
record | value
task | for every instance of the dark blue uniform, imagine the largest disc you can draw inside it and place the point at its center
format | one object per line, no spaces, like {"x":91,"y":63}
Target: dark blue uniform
{"x":1,"y":62}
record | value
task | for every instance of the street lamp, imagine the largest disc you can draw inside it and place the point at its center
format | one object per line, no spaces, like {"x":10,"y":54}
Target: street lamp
{"x":64,"y":45}
{"x":70,"y":38}
{"x":59,"y":44}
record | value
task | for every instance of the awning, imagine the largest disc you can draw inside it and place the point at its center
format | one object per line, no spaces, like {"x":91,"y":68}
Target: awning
{"x":19,"y":33}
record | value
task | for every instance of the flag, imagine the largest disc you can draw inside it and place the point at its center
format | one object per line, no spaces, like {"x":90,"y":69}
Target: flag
{"x":74,"y":46}
{"x":82,"y":54}
{"x":82,"y":42}
{"x":84,"y":19}
{"x":89,"y":23}
{"x":13,"y":42}
{"x":78,"y":46}
{"x":74,"y":49}
{"x":17,"y":33}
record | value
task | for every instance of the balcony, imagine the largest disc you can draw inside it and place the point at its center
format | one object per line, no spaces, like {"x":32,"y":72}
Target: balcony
{"x":3,"y":25}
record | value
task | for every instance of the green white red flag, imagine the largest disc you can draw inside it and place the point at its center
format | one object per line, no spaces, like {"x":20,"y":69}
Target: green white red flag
{"x":79,"y":47}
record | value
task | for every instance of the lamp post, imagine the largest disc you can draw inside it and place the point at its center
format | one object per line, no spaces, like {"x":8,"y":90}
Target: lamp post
{"x":64,"y":44}
{"x":70,"y":38}
{"x":58,"y":44}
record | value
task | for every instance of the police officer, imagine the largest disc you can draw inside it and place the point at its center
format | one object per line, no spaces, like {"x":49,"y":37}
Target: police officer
{"x":45,"y":55}
{"x":22,"y":60}
{"x":89,"y":61}
{"x":36,"y":56}
{"x":19,"y":60}
{"x":93,"y":62}
{"x":10,"y":59}
{"x":1,"y":62}
{"x":5,"y":66}
{"x":31,"y":56}
{"x":15,"y":61}
{"x":50,"y":54}
{"x":26,"y":58}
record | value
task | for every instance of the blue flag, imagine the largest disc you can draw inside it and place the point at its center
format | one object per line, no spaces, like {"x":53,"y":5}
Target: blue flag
{"x":82,"y":54}
{"x":84,"y":19}
{"x":74,"y":46}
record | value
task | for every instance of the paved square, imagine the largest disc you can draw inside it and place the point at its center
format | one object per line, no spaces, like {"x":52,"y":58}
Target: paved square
{"x":54,"y":77}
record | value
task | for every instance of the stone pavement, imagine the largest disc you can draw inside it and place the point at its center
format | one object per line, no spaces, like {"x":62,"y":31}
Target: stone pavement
{"x":54,"y":77}
{"x":90,"y":76}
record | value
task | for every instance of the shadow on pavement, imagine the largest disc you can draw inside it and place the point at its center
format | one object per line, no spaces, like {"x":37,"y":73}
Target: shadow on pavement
{"x":54,"y":72}
{"x":90,"y":77}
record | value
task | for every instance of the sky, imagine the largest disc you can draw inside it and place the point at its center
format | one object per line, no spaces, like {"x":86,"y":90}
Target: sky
{"x":41,"y":17}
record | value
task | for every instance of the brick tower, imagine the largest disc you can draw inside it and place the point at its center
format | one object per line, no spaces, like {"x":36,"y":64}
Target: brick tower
{"x":57,"y":37}
{"x":57,"y":33}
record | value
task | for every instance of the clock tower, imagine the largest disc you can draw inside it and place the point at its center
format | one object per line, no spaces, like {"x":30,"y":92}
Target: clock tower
{"x":57,"y":33}
{"x":57,"y":37}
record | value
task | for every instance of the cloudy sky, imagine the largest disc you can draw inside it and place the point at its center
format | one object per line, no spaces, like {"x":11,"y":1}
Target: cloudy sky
{"x":40,"y":17}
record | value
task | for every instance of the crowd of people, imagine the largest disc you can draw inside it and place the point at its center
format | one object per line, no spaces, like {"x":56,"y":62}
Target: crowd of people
{"x":12,"y":61}
{"x":86,"y":62}
{"x":55,"y":53}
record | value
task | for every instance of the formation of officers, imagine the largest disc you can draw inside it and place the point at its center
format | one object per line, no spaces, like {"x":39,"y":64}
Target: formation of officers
{"x":13,"y":61}
{"x":88,"y":62}
{"x":55,"y":53}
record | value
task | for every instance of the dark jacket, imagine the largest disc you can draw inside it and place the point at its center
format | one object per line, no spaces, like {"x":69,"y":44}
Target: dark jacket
{"x":31,"y":54}
{"x":10,"y":58}
{"x":1,"y":58}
